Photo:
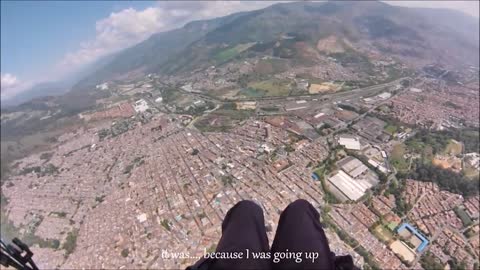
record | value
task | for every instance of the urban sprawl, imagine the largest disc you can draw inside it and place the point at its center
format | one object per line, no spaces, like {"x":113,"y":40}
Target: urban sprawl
{"x":159,"y":170}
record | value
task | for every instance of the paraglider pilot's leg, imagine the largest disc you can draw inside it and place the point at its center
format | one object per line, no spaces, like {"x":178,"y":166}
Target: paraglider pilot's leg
{"x":243,"y":228}
{"x":299,"y":232}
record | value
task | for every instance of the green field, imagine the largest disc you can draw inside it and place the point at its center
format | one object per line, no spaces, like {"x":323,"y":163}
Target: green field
{"x":267,"y":88}
{"x":221,"y":120}
{"x":271,"y":66}
{"x":453,"y":148}
{"x":320,"y":171}
{"x":251,"y":92}
{"x":397,"y":157}
{"x":230,"y":53}
{"x":383,"y":233}
{"x":390,"y":129}
{"x":226,"y":54}
{"x":470,"y":172}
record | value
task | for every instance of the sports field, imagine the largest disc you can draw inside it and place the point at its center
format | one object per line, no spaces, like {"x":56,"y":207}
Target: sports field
{"x":403,"y":250}
{"x":453,"y":148}
{"x":383,"y":233}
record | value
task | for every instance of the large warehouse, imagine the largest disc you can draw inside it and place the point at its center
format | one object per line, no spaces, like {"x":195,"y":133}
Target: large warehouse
{"x":351,"y":188}
{"x":352,"y":180}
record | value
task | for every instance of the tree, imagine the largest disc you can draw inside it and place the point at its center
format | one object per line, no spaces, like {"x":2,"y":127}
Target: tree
{"x":429,"y":262}
{"x":70,"y":242}
{"x":125,"y":252}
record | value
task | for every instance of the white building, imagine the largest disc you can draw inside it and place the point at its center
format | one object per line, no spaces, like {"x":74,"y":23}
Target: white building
{"x":349,"y":142}
{"x":295,"y":108}
{"x":473,"y":159}
{"x":350,"y":187}
{"x":103,"y":86}
{"x":142,"y":218}
{"x":384,"y":95}
{"x":415,"y":90}
{"x":378,"y":165}
{"x":140,"y":105}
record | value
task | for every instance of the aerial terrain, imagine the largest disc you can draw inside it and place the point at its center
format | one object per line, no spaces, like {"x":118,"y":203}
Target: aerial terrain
{"x":368,"y":111}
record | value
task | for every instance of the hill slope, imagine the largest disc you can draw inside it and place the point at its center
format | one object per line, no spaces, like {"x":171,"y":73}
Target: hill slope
{"x":415,"y":36}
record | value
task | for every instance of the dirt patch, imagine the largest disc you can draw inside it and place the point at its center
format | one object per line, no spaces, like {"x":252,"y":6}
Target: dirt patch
{"x":330,"y":44}
{"x":323,"y":88}
{"x":403,"y":250}
{"x":448,"y":162}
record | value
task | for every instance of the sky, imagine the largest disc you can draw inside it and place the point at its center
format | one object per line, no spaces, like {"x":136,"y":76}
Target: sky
{"x":48,"y":40}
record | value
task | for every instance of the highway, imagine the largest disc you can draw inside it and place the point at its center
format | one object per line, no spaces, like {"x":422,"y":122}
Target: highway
{"x":327,"y":98}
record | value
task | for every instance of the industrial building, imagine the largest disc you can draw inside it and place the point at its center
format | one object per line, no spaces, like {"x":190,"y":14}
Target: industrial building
{"x":352,"y":189}
{"x":349,"y":142}
{"x":352,"y":180}
{"x":140,"y":105}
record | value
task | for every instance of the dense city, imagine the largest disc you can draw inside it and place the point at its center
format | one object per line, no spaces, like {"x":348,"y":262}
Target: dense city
{"x":174,"y":182}
{"x":368,"y":111}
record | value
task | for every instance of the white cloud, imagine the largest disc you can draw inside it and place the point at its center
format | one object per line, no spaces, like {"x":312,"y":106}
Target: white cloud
{"x":9,"y":81}
{"x":130,"y":26}
{"x":118,"y":31}
{"x":11,"y":86}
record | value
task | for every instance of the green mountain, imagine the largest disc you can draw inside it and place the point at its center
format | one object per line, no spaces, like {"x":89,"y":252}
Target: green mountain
{"x":304,"y":29}
{"x":145,"y":56}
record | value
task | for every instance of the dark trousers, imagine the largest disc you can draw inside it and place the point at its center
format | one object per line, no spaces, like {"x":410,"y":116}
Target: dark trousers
{"x":299,"y":235}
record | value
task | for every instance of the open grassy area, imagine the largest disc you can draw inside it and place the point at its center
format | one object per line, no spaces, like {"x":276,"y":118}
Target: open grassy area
{"x":383,"y":233}
{"x":397,"y":157}
{"x":324,"y":87}
{"x":226,"y":55}
{"x":221,"y":120}
{"x":266,"y":88}
{"x":390,"y":129}
{"x":251,"y":92}
{"x":271,"y":66}
{"x":272,"y":88}
{"x":470,"y":172}
{"x":320,"y":171}
{"x":230,"y":53}
{"x":225,"y":93}
{"x":453,"y":148}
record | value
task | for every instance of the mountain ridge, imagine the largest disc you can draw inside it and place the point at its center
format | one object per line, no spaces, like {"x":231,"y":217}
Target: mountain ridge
{"x":415,"y":36}
{"x":373,"y":20}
